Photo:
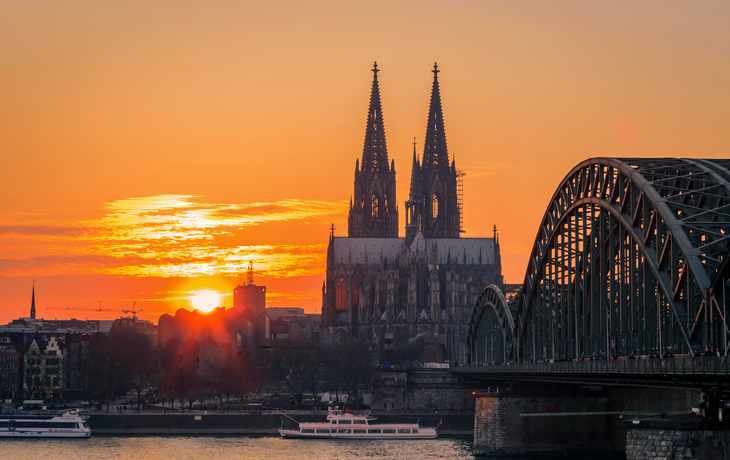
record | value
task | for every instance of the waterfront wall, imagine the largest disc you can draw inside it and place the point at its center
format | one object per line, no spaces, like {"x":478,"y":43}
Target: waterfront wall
{"x":212,"y":423}
{"x":420,"y":389}
{"x":499,"y":430}
{"x":667,"y":444}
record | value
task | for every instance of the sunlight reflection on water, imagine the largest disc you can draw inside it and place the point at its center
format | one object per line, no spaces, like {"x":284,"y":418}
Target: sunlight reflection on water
{"x":183,"y":448}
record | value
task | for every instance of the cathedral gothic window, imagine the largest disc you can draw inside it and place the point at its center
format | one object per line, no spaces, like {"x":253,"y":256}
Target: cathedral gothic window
{"x":341,"y":295}
{"x":435,"y":206}
{"x":356,"y":293}
{"x":375,"y":205}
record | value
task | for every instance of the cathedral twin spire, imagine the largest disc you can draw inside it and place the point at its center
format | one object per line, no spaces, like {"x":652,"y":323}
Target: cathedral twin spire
{"x":432,"y":198}
{"x":373,"y":212}
{"x":435,"y":153}
{"x":375,"y":151}
{"x":432,"y":205}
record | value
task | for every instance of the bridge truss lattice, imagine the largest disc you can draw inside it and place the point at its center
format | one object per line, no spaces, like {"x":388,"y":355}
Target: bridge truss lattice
{"x":631,"y":256}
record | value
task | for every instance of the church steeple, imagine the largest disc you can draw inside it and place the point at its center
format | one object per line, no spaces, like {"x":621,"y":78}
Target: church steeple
{"x":415,"y":198}
{"x":374,"y":212}
{"x":32,"y":303}
{"x":435,"y":153}
{"x":415,"y":177}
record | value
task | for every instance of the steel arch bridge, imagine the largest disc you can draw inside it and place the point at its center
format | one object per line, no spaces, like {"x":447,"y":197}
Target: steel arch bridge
{"x":631,"y":255}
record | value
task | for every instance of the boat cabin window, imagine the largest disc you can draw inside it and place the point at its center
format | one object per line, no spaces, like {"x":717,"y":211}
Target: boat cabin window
{"x":345,"y":431}
{"x":3,"y":424}
{"x":307,"y":430}
{"x":373,"y":430}
{"x":359,"y":422}
{"x":404,"y":430}
{"x":415,"y":430}
{"x":359,"y":431}
{"x":388,"y":430}
{"x":345,"y":422}
{"x":43,"y":425}
{"x":323,"y":430}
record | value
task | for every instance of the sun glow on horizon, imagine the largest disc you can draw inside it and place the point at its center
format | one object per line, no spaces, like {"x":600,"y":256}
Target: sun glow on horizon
{"x":206,"y":301}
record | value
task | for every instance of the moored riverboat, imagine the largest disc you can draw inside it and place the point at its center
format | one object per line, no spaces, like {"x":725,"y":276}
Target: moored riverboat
{"x":348,"y":425}
{"x":67,"y":425}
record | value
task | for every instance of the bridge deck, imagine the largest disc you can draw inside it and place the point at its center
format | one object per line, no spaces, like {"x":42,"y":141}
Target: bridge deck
{"x":675,"y":372}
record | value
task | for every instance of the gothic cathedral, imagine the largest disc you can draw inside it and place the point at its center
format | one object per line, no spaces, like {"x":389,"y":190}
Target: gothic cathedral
{"x":390,"y":289}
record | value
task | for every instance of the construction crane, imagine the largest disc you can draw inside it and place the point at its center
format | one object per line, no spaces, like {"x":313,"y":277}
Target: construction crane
{"x":133,"y":311}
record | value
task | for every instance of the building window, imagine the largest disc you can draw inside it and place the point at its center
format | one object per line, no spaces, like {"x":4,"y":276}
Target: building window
{"x":375,"y":205}
{"x":341,"y":295}
{"x":435,"y":206}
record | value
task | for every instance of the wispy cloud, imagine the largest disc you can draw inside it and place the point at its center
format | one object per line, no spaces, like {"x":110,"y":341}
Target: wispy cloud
{"x":42,"y":230}
{"x":170,"y":235}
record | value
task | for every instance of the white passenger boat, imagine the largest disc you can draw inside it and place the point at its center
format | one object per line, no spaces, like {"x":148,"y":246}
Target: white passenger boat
{"x":347,"y":425}
{"x":68,"y":425}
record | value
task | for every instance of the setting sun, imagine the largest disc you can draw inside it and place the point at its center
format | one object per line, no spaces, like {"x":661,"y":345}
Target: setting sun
{"x":206,"y":301}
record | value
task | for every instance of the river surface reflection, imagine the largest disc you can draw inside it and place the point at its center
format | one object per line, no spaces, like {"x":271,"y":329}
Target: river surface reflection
{"x":180,"y":447}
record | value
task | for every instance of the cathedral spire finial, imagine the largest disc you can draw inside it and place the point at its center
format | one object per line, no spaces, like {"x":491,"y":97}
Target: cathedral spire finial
{"x":375,"y":69}
{"x":435,"y":70}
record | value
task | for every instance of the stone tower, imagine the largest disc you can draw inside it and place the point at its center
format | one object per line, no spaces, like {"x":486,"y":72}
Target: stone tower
{"x":433,"y":202}
{"x":373,"y":207}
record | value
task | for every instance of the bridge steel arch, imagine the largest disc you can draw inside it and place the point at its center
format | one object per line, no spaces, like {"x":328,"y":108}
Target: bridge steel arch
{"x":631,"y":255}
{"x":491,"y":336}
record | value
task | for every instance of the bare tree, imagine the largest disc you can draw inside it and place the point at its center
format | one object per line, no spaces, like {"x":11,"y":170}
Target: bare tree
{"x":213,"y":379}
{"x":242,"y":376}
{"x":297,"y":365}
{"x":108,"y":379}
{"x":79,"y":369}
{"x":356,"y":361}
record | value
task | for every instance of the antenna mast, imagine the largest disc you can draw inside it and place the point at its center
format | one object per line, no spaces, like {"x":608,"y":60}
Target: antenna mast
{"x":249,"y":274}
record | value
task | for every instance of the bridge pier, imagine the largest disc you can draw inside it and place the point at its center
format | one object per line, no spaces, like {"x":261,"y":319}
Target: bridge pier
{"x":501,"y":428}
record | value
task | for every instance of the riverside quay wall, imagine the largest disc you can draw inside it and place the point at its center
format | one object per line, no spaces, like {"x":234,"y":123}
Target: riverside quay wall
{"x":517,"y":421}
{"x":668,"y":444}
{"x":148,"y":423}
{"x":421,"y":389}
{"x":686,"y":436}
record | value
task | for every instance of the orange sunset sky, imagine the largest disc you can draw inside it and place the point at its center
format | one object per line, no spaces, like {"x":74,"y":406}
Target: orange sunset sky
{"x":150,"y":149}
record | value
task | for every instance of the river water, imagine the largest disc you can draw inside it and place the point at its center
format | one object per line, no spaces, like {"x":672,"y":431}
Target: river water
{"x":185,"y":447}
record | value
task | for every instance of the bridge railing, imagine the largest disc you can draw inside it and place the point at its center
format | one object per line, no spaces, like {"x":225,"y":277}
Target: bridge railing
{"x":704,"y":366}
